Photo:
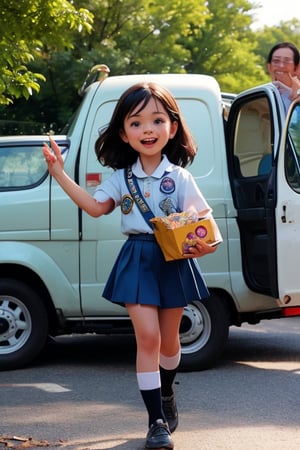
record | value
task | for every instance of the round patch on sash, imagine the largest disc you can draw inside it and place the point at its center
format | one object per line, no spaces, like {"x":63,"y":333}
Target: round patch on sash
{"x":167,"y":185}
{"x":126,"y":204}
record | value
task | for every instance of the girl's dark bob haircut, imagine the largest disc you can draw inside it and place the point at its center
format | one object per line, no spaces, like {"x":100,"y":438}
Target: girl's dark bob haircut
{"x":112,"y":151}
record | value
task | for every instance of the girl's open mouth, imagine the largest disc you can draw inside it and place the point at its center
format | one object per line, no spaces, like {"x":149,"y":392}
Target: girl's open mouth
{"x":149,"y":141}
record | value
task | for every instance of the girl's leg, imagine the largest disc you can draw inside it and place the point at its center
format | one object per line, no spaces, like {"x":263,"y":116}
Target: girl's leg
{"x":146,"y":326}
{"x":169,"y":323}
{"x":169,"y":361}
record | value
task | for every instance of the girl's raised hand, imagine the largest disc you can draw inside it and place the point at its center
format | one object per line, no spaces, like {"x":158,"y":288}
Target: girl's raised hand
{"x":54,"y":160}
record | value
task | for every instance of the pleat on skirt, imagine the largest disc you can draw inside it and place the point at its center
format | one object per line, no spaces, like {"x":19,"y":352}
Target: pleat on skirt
{"x":141,"y":275}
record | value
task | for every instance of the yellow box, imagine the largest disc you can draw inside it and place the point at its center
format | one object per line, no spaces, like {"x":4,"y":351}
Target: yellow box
{"x":175,"y":242}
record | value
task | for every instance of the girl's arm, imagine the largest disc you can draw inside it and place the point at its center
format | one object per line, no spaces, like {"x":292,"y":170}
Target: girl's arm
{"x":79,"y":196}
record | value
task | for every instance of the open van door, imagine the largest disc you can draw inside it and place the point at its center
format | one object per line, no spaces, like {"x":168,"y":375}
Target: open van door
{"x":253,"y":132}
{"x":288,"y":213}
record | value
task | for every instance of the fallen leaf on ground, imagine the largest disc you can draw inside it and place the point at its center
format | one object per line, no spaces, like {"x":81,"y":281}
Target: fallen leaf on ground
{"x":20,"y":442}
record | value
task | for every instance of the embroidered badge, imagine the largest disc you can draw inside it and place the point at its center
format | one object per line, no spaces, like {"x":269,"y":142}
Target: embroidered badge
{"x":167,"y":206}
{"x":167,"y":185}
{"x":126,"y":204}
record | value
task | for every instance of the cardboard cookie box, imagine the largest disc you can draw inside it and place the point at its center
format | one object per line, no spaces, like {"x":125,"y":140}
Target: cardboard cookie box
{"x":179,"y":231}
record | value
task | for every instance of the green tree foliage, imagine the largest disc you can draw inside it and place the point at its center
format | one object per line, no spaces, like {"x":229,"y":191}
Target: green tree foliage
{"x":224,"y":46}
{"x":29,"y":28}
{"x":212,"y":37}
{"x":135,"y":36}
{"x":269,"y":36}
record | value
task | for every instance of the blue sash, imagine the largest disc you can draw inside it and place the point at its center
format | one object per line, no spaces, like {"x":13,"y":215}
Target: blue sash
{"x":138,"y":196}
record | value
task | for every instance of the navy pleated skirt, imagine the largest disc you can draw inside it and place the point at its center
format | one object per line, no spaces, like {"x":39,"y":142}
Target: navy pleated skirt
{"x":141,"y":275}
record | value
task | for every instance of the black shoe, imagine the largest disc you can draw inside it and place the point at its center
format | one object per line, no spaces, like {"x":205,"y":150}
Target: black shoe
{"x":170,"y":411}
{"x":159,"y":436}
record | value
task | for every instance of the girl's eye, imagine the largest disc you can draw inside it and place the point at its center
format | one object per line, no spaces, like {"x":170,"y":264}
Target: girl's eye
{"x":158,"y":121}
{"x":134,"y":124}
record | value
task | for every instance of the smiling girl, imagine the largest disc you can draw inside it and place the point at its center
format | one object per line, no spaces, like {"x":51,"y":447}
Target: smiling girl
{"x":147,"y":140}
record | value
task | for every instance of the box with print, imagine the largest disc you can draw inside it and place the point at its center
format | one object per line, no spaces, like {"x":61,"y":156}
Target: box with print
{"x":174,"y":235}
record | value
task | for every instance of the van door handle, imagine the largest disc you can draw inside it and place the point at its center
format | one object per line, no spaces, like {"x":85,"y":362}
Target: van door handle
{"x":283,"y":217}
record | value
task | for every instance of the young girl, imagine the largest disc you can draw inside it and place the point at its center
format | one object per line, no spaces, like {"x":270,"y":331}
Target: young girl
{"x":148,"y":134}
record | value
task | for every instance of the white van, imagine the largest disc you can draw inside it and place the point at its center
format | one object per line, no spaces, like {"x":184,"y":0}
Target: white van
{"x":55,"y":259}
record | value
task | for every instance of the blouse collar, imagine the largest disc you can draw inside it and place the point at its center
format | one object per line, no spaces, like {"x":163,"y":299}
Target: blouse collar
{"x":164,"y":166}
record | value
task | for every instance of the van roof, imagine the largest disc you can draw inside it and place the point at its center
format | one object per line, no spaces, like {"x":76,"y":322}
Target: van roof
{"x":182,"y":86}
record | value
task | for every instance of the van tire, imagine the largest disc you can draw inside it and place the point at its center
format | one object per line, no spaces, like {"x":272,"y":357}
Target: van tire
{"x":23,"y":324}
{"x":204,"y":332}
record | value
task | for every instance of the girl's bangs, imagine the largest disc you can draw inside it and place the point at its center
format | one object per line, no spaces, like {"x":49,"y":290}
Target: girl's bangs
{"x":142,"y":97}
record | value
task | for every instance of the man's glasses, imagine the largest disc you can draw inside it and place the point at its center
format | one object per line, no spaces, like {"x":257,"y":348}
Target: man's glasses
{"x":283,"y":61}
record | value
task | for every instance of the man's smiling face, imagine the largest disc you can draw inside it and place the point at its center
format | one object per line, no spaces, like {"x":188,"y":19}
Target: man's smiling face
{"x":282,"y":65}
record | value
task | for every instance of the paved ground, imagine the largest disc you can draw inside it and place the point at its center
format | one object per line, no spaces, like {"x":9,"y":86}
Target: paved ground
{"x":71,"y":400}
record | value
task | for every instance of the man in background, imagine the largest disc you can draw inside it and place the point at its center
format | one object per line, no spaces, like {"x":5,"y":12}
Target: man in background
{"x":283,"y":66}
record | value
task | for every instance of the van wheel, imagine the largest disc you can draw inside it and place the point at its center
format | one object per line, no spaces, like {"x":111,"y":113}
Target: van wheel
{"x":204,"y":332}
{"x":23,"y":324}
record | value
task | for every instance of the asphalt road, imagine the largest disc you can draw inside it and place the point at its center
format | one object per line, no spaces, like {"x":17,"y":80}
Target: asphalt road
{"x":82,"y":394}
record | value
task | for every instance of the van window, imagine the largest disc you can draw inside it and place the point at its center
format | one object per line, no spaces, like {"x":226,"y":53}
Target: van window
{"x":252,"y":142}
{"x":21,"y":166}
{"x":198,"y":117}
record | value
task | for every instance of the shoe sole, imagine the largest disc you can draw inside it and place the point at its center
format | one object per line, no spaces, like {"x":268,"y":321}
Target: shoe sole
{"x":169,"y":447}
